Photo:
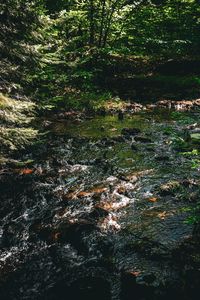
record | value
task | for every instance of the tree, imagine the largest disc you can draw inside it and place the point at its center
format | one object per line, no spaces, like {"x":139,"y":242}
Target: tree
{"x":18,"y":20}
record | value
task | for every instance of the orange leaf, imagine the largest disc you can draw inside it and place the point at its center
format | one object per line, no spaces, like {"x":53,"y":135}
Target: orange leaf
{"x":98,"y":190}
{"x":162,"y":215}
{"x":83,"y":194}
{"x":153,"y":199}
{"x":135,"y":273}
{"x":26,"y":171}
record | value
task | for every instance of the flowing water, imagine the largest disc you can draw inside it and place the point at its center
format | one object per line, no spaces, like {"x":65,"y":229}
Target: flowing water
{"x":99,"y":212}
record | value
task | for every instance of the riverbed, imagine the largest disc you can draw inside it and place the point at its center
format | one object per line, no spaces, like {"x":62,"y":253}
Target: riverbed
{"x":101,"y":210}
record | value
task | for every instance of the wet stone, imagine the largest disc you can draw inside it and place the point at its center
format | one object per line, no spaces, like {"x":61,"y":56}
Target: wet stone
{"x":146,"y":279}
{"x":132,"y":178}
{"x":162,"y":158}
{"x":119,"y":139}
{"x":131,"y":284}
{"x":142,"y":139}
{"x":108,"y":142}
{"x":98,"y":213}
{"x":101,"y":112}
{"x":195,"y":138}
{"x":169,"y":188}
{"x":134,"y":147}
{"x":130,"y":131}
{"x":150,"y":148}
{"x":89,"y":288}
{"x":70,"y":231}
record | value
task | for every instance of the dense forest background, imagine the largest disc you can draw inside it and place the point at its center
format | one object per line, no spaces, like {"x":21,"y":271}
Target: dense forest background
{"x":71,"y":53}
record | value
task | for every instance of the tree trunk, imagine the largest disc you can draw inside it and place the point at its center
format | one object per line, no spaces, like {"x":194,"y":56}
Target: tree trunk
{"x":102,"y":22}
{"x":91,"y":18}
{"x":107,"y":27}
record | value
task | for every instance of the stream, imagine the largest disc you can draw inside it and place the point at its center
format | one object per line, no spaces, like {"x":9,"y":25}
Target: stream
{"x":100,"y":211}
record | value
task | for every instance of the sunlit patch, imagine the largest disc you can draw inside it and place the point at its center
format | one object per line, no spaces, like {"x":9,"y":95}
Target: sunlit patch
{"x":111,"y":179}
{"x":73,"y":168}
{"x":116,"y":202}
{"x":109,"y":223}
{"x":94,"y":192}
{"x":148,"y":195}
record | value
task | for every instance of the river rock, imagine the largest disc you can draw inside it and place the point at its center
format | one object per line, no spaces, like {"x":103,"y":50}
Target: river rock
{"x":120,"y":115}
{"x":195,"y":138}
{"x":142,"y":139}
{"x":146,"y":278}
{"x":169,"y":188}
{"x":132,"y":178}
{"x":133,"y":283}
{"x":98,"y":212}
{"x":74,"y":233}
{"x":107,"y":142}
{"x":130,"y":131}
{"x":102,"y":112}
{"x":134,"y":147}
{"x":119,"y":139}
{"x":162,"y":158}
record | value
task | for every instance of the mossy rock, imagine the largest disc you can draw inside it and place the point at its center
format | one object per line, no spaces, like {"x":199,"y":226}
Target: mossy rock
{"x":195,"y":138}
{"x":169,"y":188}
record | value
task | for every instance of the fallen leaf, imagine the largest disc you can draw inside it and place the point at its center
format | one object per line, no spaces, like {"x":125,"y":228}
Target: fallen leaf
{"x":83,"y":194}
{"x":152,"y":199}
{"x":162,"y":215}
{"x":26,"y":171}
{"x":121,"y":190}
{"x":135,"y":273}
{"x":99,"y":190}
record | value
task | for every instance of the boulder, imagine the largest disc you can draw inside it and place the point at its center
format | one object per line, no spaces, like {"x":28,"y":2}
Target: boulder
{"x":162,"y":158}
{"x":195,"y":138}
{"x":134,"y":147}
{"x":169,"y":188}
{"x":142,"y":139}
{"x":130,"y":131}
